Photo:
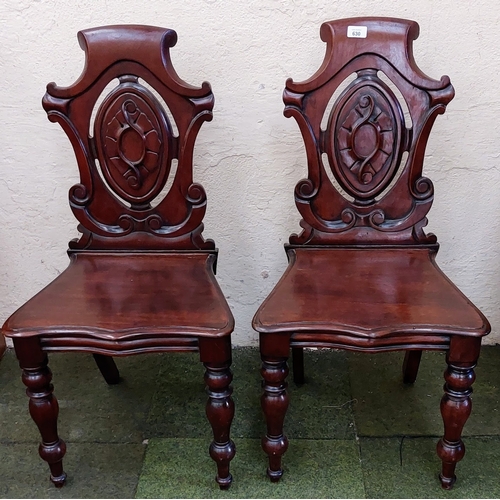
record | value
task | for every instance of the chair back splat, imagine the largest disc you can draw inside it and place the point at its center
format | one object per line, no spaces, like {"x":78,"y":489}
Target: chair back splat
{"x":127,"y":144}
{"x":362,"y":188}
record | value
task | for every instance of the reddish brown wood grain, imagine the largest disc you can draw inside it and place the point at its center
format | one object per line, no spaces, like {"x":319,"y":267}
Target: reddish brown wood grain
{"x":141,"y":278}
{"x":125,"y":295}
{"x":3,"y":346}
{"x":362,"y":274}
{"x":369,"y":293}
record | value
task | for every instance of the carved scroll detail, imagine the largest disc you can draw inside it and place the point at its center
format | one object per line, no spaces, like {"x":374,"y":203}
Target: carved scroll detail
{"x":365,"y":130}
{"x":126,"y":159}
{"x":373,"y":197}
{"x":131,"y":144}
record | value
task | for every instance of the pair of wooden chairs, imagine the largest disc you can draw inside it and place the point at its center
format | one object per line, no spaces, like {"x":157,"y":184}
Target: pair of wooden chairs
{"x":362,"y":274}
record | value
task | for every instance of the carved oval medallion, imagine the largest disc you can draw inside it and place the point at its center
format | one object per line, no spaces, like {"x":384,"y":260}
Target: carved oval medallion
{"x":132,"y":135}
{"x":364,"y":139}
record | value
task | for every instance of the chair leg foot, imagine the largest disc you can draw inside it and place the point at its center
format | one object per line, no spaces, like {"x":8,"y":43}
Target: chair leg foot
{"x":224,"y":482}
{"x":220,"y":413}
{"x":274,"y":475}
{"x":43,"y":405}
{"x":447,"y":482}
{"x":274,"y":401}
{"x":59,"y":481}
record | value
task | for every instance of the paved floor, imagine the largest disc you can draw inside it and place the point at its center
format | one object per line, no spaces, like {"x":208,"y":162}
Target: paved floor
{"x":355,"y":430}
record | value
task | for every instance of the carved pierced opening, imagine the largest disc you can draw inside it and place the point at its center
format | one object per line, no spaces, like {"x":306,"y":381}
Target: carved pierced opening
{"x":402,"y":101}
{"x":364,"y":136}
{"x":133,"y":143}
{"x":334,"y":98}
{"x":325,"y":123}
{"x":329,"y":172}
{"x":399,"y":172}
{"x":365,"y":183}
{"x":109,"y":90}
{"x":101,"y":175}
{"x":340,"y":190}
{"x":164,"y":105}
{"x":166,"y":189}
{"x":106,"y":91}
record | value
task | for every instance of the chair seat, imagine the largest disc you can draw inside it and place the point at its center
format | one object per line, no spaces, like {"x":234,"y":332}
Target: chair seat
{"x":116,"y":296}
{"x":368,"y":293}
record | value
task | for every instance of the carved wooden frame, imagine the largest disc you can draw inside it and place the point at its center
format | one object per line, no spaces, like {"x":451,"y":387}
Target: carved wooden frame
{"x":375,"y":214}
{"x":114,"y":207}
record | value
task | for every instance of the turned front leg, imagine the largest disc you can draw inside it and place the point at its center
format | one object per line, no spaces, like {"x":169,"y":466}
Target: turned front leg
{"x":274,"y":404}
{"x":44,"y":410}
{"x":456,"y":407}
{"x":220,"y":413}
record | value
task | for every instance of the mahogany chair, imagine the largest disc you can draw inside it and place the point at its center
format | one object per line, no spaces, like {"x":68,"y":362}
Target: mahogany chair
{"x":141,"y":277}
{"x":362,"y":274}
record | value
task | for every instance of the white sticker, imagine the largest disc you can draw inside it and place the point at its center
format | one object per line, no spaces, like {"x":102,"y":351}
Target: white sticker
{"x":357,"y":31}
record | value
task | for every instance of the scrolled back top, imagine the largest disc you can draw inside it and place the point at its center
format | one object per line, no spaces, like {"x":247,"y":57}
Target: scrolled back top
{"x":106,"y":45}
{"x":390,"y":38}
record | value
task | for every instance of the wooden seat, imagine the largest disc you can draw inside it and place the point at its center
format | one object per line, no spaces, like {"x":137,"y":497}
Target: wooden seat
{"x":141,"y":277}
{"x":364,"y":295}
{"x":362,"y":274}
{"x":125,"y":297}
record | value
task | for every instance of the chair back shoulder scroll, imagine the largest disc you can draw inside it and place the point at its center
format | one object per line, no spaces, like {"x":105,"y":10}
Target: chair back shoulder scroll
{"x":127,"y":140}
{"x":365,"y":151}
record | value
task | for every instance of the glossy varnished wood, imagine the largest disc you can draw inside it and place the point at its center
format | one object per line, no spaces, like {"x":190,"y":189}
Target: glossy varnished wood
{"x":368,"y":293}
{"x":108,"y":368}
{"x":298,"y":365}
{"x":3,"y":346}
{"x":132,"y":138}
{"x":111,"y":297}
{"x":411,"y":365}
{"x":141,"y":277}
{"x":362,"y":274}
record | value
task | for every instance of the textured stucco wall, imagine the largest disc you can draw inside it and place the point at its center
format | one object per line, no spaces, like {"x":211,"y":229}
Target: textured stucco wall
{"x":250,"y":157}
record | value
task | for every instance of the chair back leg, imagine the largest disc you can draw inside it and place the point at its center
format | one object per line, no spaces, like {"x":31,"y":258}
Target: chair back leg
{"x":411,"y":365}
{"x":107,"y":367}
{"x":298,"y":365}
{"x":3,"y":346}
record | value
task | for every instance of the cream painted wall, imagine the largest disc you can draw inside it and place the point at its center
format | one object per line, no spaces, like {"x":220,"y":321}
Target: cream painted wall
{"x":250,"y":157}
